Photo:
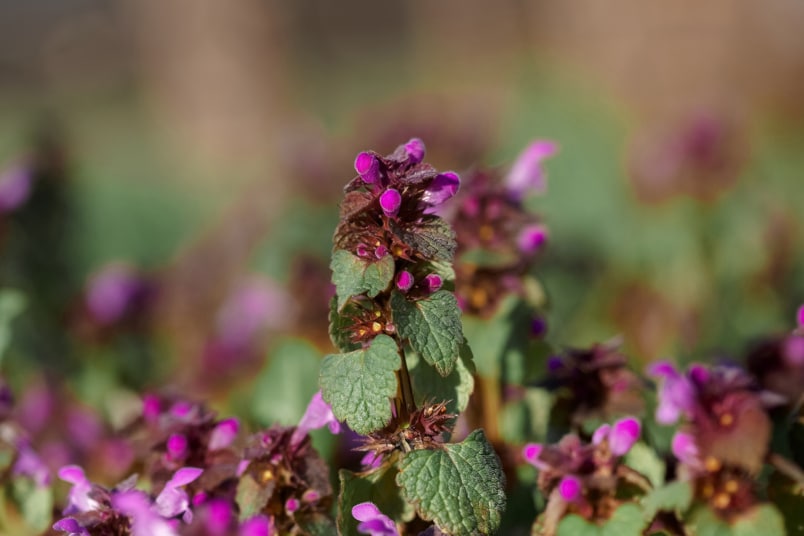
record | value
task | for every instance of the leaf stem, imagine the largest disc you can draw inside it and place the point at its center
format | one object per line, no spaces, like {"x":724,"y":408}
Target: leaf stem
{"x":408,"y":402}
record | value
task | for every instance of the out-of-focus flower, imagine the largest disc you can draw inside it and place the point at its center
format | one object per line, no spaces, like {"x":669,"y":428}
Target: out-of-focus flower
{"x":675,"y":393}
{"x":145,"y":520}
{"x":372,"y":521}
{"x":317,"y":415}
{"x":15,"y":187}
{"x":30,"y":464}
{"x":223,"y":434}
{"x":173,"y":501}
{"x":79,"y":499}
{"x":527,"y":173}
{"x":444,"y":187}
{"x":115,"y":293}
{"x":71,"y":527}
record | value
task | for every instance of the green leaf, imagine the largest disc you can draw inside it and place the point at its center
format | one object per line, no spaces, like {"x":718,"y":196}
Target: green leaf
{"x":433,"y":327}
{"x":763,"y":519}
{"x":12,"y":303}
{"x":251,"y":496}
{"x":429,"y":386}
{"x":358,"y":384}
{"x":379,"y":487}
{"x":460,"y":487}
{"x":340,"y":326}
{"x":644,"y":459}
{"x":286,"y":385}
{"x":35,"y":502}
{"x":627,"y":520}
{"x":353,"y":275}
{"x":433,"y":238}
{"x":674,"y":497}
{"x":316,"y":524}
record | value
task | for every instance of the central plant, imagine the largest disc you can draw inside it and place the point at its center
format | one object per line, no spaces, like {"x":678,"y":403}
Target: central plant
{"x":405,"y":371}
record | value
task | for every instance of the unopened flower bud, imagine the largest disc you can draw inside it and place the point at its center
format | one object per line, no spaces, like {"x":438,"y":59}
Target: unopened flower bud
{"x":380,"y":252}
{"x":311,"y":496}
{"x":570,"y":488}
{"x":176,"y":446}
{"x":362,"y":250}
{"x":532,"y":238}
{"x":800,"y":316}
{"x":292,"y":505}
{"x":390,"y":202}
{"x":415,"y":150}
{"x":404,"y":280}
{"x":368,"y":167}
{"x":433,"y":282}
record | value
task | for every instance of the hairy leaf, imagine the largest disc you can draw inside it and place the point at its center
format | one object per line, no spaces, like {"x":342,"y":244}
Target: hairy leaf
{"x":627,"y":519}
{"x":433,"y":327}
{"x":340,"y":326}
{"x":455,"y":388}
{"x":762,"y":519}
{"x":460,"y":487}
{"x":251,"y":496}
{"x":433,"y":238}
{"x":353,"y":275}
{"x":358,"y":384}
{"x":674,"y":497}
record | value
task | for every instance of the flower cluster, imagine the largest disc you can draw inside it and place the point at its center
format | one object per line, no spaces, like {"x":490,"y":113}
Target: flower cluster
{"x":497,"y":238}
{"x":584,"y":478}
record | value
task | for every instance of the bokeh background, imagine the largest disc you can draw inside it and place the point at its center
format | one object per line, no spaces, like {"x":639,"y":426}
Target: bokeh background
{"x":204,"y":145}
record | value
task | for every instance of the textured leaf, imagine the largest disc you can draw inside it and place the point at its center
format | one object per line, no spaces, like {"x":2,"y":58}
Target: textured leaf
{"x":674,"y":497}
{"x":762,"y":519}
{"x":626,"y":520}
{"x":251,"y":496}
{"x":379,"y":487}
{"x":316,"y":524}
{"x":644,"y":459}
{"x":353,"y":275}
{"x":433,"y":327}
{"x":455,"y":388}
{"x":432,"y":238}
{"x":359,"y":384}
{"x":460,"y":487}
{"x":340,"y":326}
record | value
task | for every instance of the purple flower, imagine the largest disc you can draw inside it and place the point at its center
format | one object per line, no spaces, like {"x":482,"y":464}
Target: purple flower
{"x":292,"y":505}
{"x":371,"y":460}
{"x":144,"y":520}
{"x":390,"y":201}
{"x":15,"y":187}
{"x":317,"y":415}
{"x":443,"y":187}
{"x":433,"y":282}
{"x":258,"y":526}
{"x":793,"y":351}
{"x":531,"y":238}
{"x":570,"y":488}
{"x":176,"y":446}
{"x":173,"y":501}
{"x":368,"y":167}
{"x":29,"y":464}
{"x":218,"y":517}
{"x":223,"y":434}
{"x":71,"y":527}
{"x":78,"y":499}
{"x":685,"y":449}
{"x":415,"y":150}
{"x":623,"y":435}
{"x":372,"y":521}
{"x":255,"y":305}
{"x":404,"y":280}
{"x":676,"y":394}
{"x":527,"y":172}
{"x":531,"y":453}
{"x":800,"y":316}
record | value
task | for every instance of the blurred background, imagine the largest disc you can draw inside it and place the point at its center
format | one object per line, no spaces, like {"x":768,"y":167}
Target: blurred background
{"x":185,"y":159}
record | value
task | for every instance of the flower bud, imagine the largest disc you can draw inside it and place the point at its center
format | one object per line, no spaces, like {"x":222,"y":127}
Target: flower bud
{"x":292,"y":505}
{"x":623,"y":435}
{"x":443,"y":187}
{"x":368,"y":167}
{"x":684,"y":448}
{"x":380,"y":252}
{"x":404,"y":280}
{"x":390,"y":201}
{"x":570,"y":488}
{"x":433,"y":282}
{"x":415,"y":150}
{"x":532,"y":238}
{"x":176,"y":446}
{"x":800,"y":316}
{"x":362,"y":250}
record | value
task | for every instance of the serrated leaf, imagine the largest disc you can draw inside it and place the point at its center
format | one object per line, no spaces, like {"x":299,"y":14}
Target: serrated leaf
{"x":455,"y":388}
{"x":763,"y":519}
{"x":432,"y":238}
{"x":353,"y":275}
{"x":359,"y":384}
{"x":340,"y":327}
{"x":460,"y":487}
{"x":379,"y":487}
{"x":674,"y":497}
{"x":626,"y":520}
{"x":433,"y":327}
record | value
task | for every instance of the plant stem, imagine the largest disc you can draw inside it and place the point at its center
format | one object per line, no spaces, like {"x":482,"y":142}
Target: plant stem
{"x":408,"y":403}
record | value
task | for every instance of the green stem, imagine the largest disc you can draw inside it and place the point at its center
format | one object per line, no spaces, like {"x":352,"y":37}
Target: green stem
{"x":408,"y":402}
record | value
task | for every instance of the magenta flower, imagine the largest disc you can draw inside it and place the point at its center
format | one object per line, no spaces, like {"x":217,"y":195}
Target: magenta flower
{"x":570,"y":488}
{"x":532,"y":238}
{"x":685,"y":449}
{"x":173,"y":501}
{"x":258,"y":526}
{"x":78,"y":500}
{"x":317,"y":415}
{"x":800,"y":316}
{"x":255,"y":305}
{"x":145,"y":521}
{"x":223,"y":434}
{"x":368,"y":167}
{"x":415,"y":150}
{"x":71,"y":527}
{"x":15,"y":187}
{"x":531,"y":453}
{"x":371,"y":460}
{"x":176,"y":446}
{"x":443,"y":187}
{"x":433,"y":282}
{"x":113,"y":292}
{"x":390,"y":201}
{"x":404,"y":280}
{"x":676,"y":393}
{"x":527,"y":172}
{"x":30,"y":464}
{"x":623,"y":435}
{"x":372,"y":521}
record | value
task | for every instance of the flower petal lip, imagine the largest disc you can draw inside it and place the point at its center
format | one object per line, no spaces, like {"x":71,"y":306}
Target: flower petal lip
{"x":623,"y":435}
{"x":415,"y":150}
{"x":223,"y":434}
{"x":600,"y":434}
{"x":373,"y":521}
{"x":443,"y":187}
{"x":317,"y":415}
{"x":684,"y":448}
{"x":527,"y":173}
{"x":531,"y":238}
